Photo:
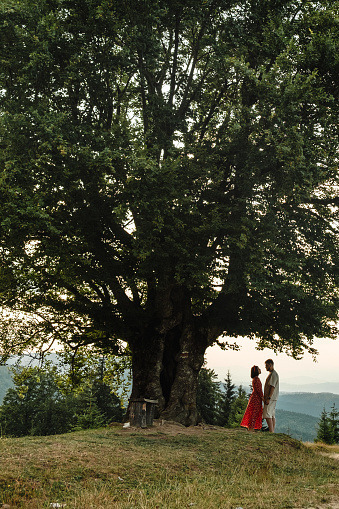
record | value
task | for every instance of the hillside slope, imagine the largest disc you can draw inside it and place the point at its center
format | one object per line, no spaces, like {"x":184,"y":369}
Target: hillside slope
{"x":166,"y":466}
{"x":307,"y":402}
{"x":300,"y":426}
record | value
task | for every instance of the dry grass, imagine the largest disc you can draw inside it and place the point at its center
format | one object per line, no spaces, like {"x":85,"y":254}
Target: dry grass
{"x":166,"y":466}
{"x":331,"y":451}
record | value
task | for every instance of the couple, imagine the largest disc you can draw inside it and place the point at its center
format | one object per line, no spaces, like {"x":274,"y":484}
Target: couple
{"x":254,"y":413}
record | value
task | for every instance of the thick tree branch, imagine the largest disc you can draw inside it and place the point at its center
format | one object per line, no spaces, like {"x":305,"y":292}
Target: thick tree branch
{"x":324,"y":201}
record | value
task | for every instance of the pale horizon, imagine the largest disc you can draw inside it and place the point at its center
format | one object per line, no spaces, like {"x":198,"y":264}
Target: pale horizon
{"x":291,"y":371}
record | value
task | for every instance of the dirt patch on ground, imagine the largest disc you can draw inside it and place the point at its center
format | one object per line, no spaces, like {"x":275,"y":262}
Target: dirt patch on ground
{"x":331,"y":505}
{"x":335,"y":456}
{"x":170,"y":428}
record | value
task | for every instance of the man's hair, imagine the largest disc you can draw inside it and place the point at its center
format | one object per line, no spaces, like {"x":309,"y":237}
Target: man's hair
{"x":254,"y":371}
{"x":269,"y":361}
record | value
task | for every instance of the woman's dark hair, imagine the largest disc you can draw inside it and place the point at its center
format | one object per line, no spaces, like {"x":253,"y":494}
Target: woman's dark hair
{"x":254,"y":371}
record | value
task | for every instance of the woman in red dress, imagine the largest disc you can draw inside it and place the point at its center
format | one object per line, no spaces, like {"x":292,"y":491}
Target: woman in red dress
{"x":253,"y":414}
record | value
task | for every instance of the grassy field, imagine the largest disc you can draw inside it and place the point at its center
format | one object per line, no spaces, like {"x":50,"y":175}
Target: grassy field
{"x":167,"y":467}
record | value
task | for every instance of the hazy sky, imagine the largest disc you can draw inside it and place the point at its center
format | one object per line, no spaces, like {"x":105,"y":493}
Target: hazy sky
{"x":326,"y":369}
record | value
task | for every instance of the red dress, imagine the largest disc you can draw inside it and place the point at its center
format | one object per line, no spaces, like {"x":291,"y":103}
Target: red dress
{"x":253,"y":413}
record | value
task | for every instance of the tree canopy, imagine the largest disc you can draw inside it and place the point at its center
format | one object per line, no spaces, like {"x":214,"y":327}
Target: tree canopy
{"x":169,"y":174}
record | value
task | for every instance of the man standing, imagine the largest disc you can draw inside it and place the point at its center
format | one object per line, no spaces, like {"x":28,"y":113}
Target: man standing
{"x":271,"y":393}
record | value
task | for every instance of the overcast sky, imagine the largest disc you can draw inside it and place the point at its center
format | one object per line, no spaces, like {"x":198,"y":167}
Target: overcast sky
{"x":326,"y":369}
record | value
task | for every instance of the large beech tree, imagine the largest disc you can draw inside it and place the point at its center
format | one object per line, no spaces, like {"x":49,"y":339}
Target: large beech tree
{"x":169,"y":175}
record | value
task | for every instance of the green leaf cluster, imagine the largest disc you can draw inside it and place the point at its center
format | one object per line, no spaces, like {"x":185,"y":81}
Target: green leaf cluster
{"x":146,"y":146}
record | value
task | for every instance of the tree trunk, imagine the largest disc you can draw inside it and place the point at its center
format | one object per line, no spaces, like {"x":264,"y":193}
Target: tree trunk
{"x":147,"y":355}
{"x":181,"y":398}
{"x":166,"y":362}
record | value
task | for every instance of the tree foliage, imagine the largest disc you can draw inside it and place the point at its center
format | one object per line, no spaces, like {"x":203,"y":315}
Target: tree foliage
{"x":169,"y":175}
{"x":43,"y":403}
{"x":33,"y":406}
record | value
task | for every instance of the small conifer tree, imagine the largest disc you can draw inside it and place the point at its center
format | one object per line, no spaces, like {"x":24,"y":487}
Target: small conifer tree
{"x":208,"y":396}
{"x":334,"y":424}
{"x":328,"y":427}
{"x":226,"y":400}
{"x":238,"y":407}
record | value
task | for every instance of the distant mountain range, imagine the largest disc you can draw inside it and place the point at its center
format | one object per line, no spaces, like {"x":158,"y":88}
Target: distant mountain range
{"x":294,"y":385}
{"x":315,"y":387}
{"x":307,"y":403}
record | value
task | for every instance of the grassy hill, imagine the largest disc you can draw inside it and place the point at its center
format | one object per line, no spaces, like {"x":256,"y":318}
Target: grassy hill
{"x":166,"y":466}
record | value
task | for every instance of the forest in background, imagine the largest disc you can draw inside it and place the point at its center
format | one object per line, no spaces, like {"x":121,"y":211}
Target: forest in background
{"x":298,"y":414}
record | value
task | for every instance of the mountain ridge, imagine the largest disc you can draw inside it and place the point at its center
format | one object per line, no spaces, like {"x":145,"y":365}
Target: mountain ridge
{"x":314,"y":387}
{"x":307,"y":402}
